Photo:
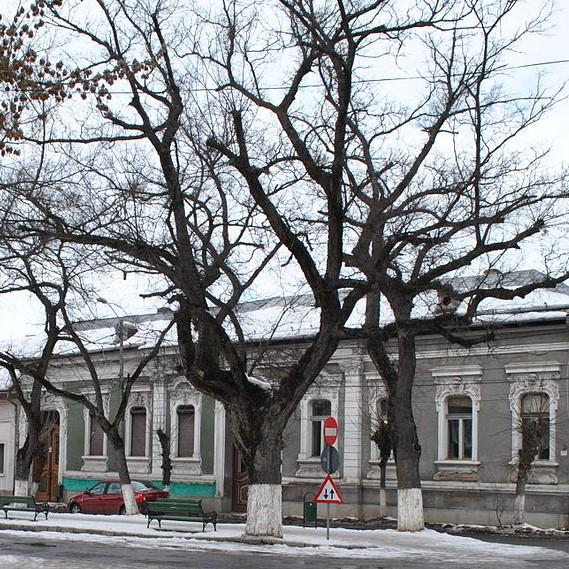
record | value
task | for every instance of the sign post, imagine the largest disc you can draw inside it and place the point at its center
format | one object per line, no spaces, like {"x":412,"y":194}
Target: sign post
{"x":328,"y":493}
{"x":330,"y":460}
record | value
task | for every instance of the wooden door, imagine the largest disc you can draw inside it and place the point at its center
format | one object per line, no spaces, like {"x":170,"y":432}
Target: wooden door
{"x":240,"y":483}
{"x":47,"y":490}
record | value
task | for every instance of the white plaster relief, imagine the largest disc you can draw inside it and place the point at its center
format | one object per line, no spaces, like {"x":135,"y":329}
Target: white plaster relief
{"x":309,"y":467}
{"x":456,"y":381}
{"x":182,"y":393}
{"x":535,"y":377}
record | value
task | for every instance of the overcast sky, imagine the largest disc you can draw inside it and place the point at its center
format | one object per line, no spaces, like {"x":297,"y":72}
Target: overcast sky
{"x":18,"y":311}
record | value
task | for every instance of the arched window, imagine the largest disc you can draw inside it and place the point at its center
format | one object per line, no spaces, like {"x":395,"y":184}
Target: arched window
{"x":535,"y":423}
{"x":138,"y":431}
{"x":459,"y":428}
{"x":320,"y":409}
{"x":186,"y":428}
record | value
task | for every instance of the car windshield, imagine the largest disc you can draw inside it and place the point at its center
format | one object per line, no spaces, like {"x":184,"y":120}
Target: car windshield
{"x":143,"y":486}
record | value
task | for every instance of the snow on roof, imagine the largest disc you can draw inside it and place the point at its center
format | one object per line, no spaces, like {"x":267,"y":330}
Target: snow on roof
{"x":294,"y":317}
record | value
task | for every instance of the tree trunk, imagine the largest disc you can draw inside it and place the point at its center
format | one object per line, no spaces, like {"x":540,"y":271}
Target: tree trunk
{"x":130,"y":506}
{"x":382,"y":484}
{"x":25,"y":458}
{"x":165,"y":444}
{"x":264,"y":502}
{"x":408,"y":450}
{"x":23,"y":465}
{"x":258,"y":436}
{"x":525,"y":459}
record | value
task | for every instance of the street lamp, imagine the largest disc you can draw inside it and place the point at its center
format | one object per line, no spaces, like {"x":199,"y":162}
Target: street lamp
{"x":121,"y":330}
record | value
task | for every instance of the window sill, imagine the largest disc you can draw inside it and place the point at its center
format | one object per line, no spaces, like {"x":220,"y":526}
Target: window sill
{"x":374,"y":472}
{"x":93,"y":463}
{"x":138,"y":464}
{"x":309,"y":467}
{"x":457,"y":470}
{"x":186,"y":466}
{"x":541,"y":472}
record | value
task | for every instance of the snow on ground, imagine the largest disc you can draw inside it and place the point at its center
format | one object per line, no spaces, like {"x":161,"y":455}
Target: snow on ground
{"x":384,"y":544}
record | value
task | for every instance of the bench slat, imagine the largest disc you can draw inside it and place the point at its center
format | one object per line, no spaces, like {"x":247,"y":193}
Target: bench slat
{"x":26,"y":504}
{"x":183,"y":509}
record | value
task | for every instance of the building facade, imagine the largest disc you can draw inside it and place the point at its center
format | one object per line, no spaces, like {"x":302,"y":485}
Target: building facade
{"x":469,"y":406}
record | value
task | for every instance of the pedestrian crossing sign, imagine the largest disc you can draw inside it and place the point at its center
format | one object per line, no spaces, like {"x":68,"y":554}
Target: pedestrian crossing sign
{"x":328,"y":493}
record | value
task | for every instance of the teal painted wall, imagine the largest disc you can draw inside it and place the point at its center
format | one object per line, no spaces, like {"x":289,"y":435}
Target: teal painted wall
{"x":189,"y":489}
{"x":76,"y":485}
{"x":207,"y":434}
{"x":75,"y":436}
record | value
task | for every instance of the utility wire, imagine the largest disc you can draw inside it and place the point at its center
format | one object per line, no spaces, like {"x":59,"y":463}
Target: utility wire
{"x":316,"y":85}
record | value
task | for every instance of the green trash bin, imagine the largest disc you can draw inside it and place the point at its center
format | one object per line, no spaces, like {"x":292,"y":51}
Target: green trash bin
{"x":309,"y":510}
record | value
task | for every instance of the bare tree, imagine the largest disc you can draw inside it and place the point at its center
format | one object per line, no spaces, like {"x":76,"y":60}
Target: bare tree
{"x":364,"y":191}
{"x":172,"y":206}
{"x":55,"y":274}
{"x":426,"y":191}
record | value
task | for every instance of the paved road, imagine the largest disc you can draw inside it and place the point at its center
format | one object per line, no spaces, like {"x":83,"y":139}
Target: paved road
{"x":23,"y":552}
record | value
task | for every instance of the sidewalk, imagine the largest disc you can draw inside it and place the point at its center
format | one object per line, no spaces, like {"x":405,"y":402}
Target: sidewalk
{"x":379,"y":543}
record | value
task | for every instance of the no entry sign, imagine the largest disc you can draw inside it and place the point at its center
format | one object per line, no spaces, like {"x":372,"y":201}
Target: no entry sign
{"x":330,"y":430}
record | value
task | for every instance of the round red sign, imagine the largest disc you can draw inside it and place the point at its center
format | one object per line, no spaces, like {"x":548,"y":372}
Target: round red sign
{"x":330,"y":430}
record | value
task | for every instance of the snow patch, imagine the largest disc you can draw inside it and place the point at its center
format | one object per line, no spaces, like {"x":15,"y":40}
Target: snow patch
{"x":263,"y":384}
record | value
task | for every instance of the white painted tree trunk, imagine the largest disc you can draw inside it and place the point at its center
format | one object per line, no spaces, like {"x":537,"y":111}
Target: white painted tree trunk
{"x":264,"y":511}
{"x":382,"y":502}
{"x":34,"y":489}
{"x":410,"y":509}
{"x":519,"y":509}
{"x":21,"y":487}
{"x":130,"y":506}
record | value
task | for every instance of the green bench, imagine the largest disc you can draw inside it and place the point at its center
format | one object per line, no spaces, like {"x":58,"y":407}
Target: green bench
{"x":180,"y":509}
{"x":23,"y":504}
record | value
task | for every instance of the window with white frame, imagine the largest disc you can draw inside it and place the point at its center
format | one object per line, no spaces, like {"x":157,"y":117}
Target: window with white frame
{"x":534,"y":396}
{"x":96,"y":437}
{"x":535,"y":423}
{"x":320,"y":410}
{"x":459,"y":427}
{"x":320,"y":402}
{"x":457,"y":402}
{"x":138,"y":431}
{"x":186,"y":415}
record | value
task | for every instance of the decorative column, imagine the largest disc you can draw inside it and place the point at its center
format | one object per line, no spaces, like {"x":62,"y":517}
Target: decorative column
{"x":159,"y":421}
{"x":352,"y":423}
{"x":219,"y":449}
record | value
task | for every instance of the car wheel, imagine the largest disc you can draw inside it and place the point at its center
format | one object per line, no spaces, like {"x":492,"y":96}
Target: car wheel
{"x":122,"y":511}
{"x":75,"y":508}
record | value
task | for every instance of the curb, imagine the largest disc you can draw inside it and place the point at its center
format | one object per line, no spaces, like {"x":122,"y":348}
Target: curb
{"x":192,"y":536}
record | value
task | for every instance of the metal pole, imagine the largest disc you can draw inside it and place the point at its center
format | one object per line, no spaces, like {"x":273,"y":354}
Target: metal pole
{"x":327,"y":520}
{"x":121,"y":343}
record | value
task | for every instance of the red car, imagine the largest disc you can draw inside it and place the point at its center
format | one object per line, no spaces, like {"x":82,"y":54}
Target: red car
{"x":106,"y":497}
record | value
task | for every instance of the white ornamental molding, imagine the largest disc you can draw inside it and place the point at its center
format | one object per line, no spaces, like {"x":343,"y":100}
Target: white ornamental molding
{"x":452,"y":380}
{"x":139,"y":399}
{"x":533,"y":378}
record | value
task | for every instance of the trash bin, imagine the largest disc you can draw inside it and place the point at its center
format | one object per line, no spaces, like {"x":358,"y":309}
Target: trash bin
{"x":309,"y":510}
